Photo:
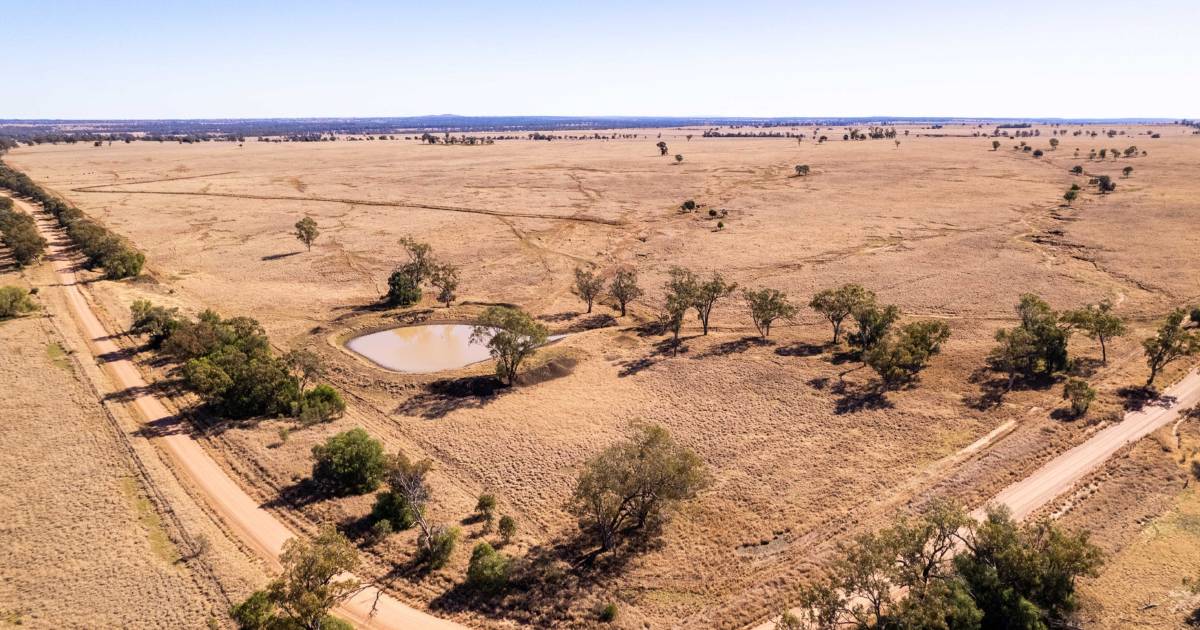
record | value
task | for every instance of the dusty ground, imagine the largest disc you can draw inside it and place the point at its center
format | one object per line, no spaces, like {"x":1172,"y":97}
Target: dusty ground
{"x":942,"y":226}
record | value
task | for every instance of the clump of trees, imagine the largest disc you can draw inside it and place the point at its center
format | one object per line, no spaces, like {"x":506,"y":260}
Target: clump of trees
{"x":1037,"y":347}
{"x":944,"y":570}
{"x":99,"y":245}
{"x":404,"y":503}
{"x":307,"y":232}
{"x":18,"y":232}
{"x":632,"y":487}
{"x":229,"y":364}
{"x":511,"y":335}
{"x":348,"y":463}
{"x":15,"y":301}
{"x":900,"y":356}
{"x":404,"y":285}
{"x":312,"y":582}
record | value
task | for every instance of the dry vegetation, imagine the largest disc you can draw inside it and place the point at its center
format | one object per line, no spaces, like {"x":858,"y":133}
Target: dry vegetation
{"x":943,"y":227}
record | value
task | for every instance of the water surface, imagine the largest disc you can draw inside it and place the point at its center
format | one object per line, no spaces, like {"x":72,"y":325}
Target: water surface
{"x":421,"y":349}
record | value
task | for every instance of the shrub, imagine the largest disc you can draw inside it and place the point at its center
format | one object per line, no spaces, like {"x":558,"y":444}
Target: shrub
{"x":395,"y":509}
{"x":485,"y":507}
{"x":1077,"y":170}
{"x":508,"y":528}
{"x":688,"y":206}
{"x":381,"y":530}
{"x":350,"y":462}
{"x":256,"y":612}
{"x":1080,"y":394}
{"x":14,"y":301}
{"x":156,"y":322}
{"x":608,"y":613}
{"x":488,"y":570}
{"x":321,"y":404}
{"x":439,"y":545}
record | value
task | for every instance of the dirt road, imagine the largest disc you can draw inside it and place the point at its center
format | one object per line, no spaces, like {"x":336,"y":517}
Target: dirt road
{"x":1060,"y":474}
{"x":253,"y":525}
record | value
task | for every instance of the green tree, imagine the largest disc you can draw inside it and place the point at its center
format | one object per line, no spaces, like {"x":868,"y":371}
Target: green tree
{"x":438,"y":545}
{"x":508,"y":528}
{"x":995,"y":144}
{"x":900,"y":356}
{"x":1037,"y":347}
{"x":488,"y":570}
{"x":350,"y":462}
{"x":512,"y":336}
{"x":1171,"y":343}
{"x":588,"y":286}
{"x":632,"y":486}
{"x":1080,"y":394}
{"x":1070,"y":196}
{"x":320,"y":404}
{"x":837,"y":304}
{"x":874,"y":322}
{"x":485,"y":507}
{"x":156,"y":322}
{"x":311,"y":584}
{"x":766,"y":306}
{"x":404,"y":285}
{"x":444,"y":278}
{"x":14,"y":301}
{"x":624,"y":288}
{"x":706,"y":295}
{"x":802,"y":170}
{"x":1127,"y":171}
{"x":1098,"y":322}
{"x":307,"y":232}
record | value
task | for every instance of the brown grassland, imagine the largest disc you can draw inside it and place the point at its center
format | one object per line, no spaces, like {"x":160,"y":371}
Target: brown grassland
{"x":944,"y":227}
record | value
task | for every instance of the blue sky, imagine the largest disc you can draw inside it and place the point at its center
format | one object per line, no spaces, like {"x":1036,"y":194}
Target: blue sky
{"x":169,"y":59}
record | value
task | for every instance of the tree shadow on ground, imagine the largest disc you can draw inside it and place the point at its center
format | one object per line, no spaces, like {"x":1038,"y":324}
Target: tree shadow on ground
{"x":555,"y":318}
{"x":299,"y":495}
{"x":736,"y":346}
{"x":800,"y":349}
{"x":444,"y":396}
{"x":548,"y":582}
{"x":993,"y":386}
{"x":279,"y":256}
{"x":854,"y":399}
{"x":600,"y":320}
{"x":1138,"y":398}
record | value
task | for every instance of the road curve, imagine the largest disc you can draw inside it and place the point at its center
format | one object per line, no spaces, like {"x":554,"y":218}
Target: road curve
{"x":254,"y":526}
{"x":1060,"y":474}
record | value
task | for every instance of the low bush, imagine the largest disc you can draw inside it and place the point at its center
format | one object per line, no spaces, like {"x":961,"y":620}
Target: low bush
{"x":350,"y":462}
{"x":14,"y":301}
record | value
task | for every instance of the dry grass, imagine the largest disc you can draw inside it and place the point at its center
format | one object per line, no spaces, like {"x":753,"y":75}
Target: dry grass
{"x":943,"y":227}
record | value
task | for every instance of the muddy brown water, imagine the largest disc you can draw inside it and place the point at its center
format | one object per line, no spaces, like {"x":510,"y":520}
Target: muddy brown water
{"x":421,"y":349}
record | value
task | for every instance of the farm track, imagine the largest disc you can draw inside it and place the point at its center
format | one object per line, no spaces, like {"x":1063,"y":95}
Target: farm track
{"x":578,"y":218}
{"x":257,"y":528}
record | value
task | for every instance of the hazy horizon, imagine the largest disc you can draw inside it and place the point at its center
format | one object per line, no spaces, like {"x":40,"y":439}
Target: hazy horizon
{"x":934,"y":58}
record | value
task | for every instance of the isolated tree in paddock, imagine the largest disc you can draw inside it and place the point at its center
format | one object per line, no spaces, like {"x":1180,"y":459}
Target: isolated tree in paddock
{"x":837,"y":304}
{"x":633,"y":486}
{"x":766,"y":306}
{"x":706,"y":295}
{"x":995,"y":144}
{"x":350,"y":462}
{"x":681,"y":290}
{"x":678,"y":158}
{"x":588,"y":286}
{"x":802,"y":170}
{"x":1127,"y":171}
{"x":511,"y":335}
{"x":1171,"y":343}
{"x":1054,"y":144}
{"x":444,"y":278}
{"x":507,"y":528}
{"x":1077,"y":170}
{"x":1080,"y":394}
{"x":488,"y":569}
{"x":1105,"y":184}
{"x":310,"y":585}
{"x":307,"y":232}
{"x":485,"y":507}
{"x":1070,"y":196}
{"x":662,"y":147}
{"x":901,"y":356}
{"x":624,"y":288}
{"x":1098,"y":322}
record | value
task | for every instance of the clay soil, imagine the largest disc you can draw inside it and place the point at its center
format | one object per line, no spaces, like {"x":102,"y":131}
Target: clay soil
{"x":941,"y":226}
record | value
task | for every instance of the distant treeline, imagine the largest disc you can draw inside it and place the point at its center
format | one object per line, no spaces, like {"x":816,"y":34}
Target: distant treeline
{"x":101,"y":246}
